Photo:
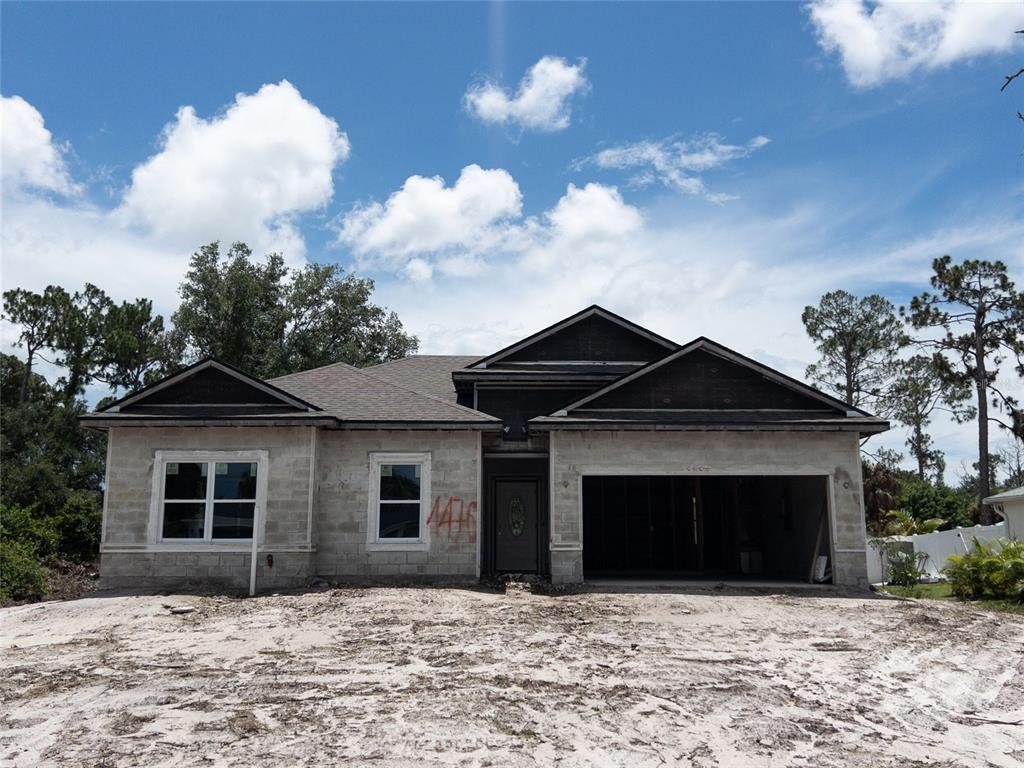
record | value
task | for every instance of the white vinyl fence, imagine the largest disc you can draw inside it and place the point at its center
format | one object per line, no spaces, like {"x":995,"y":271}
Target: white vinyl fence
{"x":938,"y":546}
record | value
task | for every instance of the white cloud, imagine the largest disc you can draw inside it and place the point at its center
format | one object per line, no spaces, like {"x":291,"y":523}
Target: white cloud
{"x":887,"y":40}
{"x":675,"y":163}
{"x":541,"y":102}
{"x":427,"y":217}
{"x":244,"y":174}
{"x":455,"y":230}
{"x":29,"y":158}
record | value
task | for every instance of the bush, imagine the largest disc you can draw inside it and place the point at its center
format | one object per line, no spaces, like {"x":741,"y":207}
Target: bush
{"x":906,"y":568}
{"x":21,"y":575}
{"x":993,"y":569}
{"x":77,"y":526}
{"x":22,"y":526}
{"x":73,"y":533}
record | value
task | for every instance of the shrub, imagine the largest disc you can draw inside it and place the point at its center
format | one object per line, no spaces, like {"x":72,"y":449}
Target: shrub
{"x":77,"y":526}
{"x":23,"y":526}
{"x":992,"y":569}
{"x":906,"y":568}
{"x":21,"y":575}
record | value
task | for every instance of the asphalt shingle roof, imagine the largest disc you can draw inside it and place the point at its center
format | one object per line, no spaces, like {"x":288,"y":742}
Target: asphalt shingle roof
{"x":359,"y":395}
{"x":426,"y":374}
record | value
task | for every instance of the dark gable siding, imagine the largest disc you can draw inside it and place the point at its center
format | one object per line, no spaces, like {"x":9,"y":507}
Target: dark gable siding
{"x":700,"y":380}
{"x":516,"y":406}
{"x":209,"y":386}
{"x":592,"y":338}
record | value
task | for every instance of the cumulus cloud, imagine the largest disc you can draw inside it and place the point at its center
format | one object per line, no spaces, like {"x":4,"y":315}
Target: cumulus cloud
{"x":244,"y":174}
{"x":30,"y":158}
{"x":887,"y":40}
{"x":674,"y":163}
{"x":427,"y":225}
{"x":427,"y":217}
{"x":247,"y":174}
{"x":541,"y":103}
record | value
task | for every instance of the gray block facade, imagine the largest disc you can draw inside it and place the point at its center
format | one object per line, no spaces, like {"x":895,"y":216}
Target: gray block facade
{"x":832,"y":455}
{"x":320,"y":529}
{"x":310,"y":529}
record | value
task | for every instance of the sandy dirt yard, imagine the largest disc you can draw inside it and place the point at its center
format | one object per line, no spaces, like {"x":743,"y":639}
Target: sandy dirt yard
{"x":430,"y":677}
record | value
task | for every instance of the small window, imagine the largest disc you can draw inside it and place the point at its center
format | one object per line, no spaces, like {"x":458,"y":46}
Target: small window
{"x":398,"y":498}
{"x":208,"y":500}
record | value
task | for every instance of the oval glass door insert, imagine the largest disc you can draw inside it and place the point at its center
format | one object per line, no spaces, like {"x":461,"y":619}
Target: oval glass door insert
{"x":516,"y":516}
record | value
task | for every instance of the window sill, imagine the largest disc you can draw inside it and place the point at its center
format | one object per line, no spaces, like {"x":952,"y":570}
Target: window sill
{"x":198,"y":548}
{"x":397,"y":546}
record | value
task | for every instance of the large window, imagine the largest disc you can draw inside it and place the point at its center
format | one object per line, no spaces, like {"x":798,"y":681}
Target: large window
{"x":208,"y":497}
{"x":399,"y":497}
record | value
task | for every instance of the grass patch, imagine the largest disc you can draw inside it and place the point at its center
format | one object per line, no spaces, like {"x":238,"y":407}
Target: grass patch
{"x":944,"y":591}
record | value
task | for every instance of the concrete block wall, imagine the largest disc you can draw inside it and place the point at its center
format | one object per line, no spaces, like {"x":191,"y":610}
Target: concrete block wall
{"x":132,"y":558}
{"x":343,"y":459}
{"x":832,"y":454}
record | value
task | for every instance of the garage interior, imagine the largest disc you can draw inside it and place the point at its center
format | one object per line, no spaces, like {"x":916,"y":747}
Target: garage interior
{"x":677,"y":527}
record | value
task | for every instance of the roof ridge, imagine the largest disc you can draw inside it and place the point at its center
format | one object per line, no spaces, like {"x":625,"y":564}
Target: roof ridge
{"x":456,"y":406}
{"x":311,"y":370}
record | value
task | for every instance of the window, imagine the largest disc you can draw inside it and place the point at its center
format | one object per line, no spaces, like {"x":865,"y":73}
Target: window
{"x":399,"y":498}
{"x":207,"y":497}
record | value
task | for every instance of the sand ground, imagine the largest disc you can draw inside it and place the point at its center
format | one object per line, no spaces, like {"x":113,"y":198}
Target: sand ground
{"x":430,"y":677}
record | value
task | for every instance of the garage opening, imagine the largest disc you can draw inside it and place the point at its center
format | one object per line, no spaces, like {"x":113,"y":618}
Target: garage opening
{"x":753,"y":526}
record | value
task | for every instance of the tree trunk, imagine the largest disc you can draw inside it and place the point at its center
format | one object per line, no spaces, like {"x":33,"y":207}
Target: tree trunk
{"x":23,"y":394}
{"x":919,"y":452}
{"x":985,"y":516}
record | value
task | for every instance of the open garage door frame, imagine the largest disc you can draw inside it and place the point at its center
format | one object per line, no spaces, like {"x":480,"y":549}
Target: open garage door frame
{"x":645,"y":524}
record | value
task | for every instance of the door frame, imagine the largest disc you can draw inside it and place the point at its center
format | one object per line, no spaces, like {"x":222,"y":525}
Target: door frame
{"x":522,"y":468}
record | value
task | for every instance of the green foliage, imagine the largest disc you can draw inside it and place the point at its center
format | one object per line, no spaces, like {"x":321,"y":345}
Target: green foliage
{"x":906,"y":568}
{"x":980,"y":315}
{"x":915,"y":394}
{"x":992,"y":569}
{"x":858,"y":340}
{"x":21,"y":575}
{"x":267,"y":321}
{"x":924,"y":501}
{"x":88,"y":336}
{"x":899,"y":522}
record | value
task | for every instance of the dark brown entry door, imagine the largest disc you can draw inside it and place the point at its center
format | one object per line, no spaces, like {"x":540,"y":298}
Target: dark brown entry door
{"x":515,"y":517}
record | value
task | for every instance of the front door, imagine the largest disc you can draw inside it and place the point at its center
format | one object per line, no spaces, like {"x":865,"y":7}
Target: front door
{"x":515,"y":518}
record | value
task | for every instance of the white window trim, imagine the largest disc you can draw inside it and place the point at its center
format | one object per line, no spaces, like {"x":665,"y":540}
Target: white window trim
{"x":156,"y":509}
{"x":373,"y":541}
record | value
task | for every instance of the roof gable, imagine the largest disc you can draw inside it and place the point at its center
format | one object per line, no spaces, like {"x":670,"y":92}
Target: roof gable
{"x":210,"y":385}
{"x":593,"y":335}
{"x":705,"y":376}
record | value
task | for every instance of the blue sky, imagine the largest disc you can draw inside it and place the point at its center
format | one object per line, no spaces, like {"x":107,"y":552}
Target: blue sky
{"x":728,"y":162}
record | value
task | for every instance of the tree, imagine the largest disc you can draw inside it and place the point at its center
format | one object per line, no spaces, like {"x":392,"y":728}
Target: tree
{"x":135,"y":346}
{"x":858,"y":340}
{"x":331,"y":318}
{"x":258,"y":317}
{"x":34,"y":312}
{"x":233,"y":308}
{"x":1012,"y":457}
{"x":1010,"y":78}
{"x":881,"y":486}
{"x":979,"y":315}
{"x":916,"y":393}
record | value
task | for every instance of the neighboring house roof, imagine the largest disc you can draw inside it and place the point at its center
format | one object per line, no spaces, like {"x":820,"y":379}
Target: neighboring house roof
{"x":1014,"y":494}
{"x":426,"y":374}
{"x":358,"y":397}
